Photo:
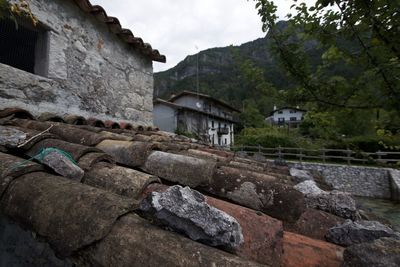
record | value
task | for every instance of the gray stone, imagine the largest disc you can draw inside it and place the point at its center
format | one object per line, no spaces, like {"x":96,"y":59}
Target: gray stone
{"x":383,"y":252}
{"x":300,"y":175}
{"x":335,"y":202}
{"x":185,"y":210}
{"x":63,"y":165}
{"x":308,"y":188}
{"x":350,"y":232}
{"x":11,"y":137}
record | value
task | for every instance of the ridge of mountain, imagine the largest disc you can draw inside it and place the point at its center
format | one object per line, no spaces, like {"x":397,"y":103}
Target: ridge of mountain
{"x":219,"y":72}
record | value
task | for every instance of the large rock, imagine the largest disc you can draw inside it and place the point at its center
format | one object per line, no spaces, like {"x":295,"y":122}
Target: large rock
{"x":309,"y":187}
{"x":264,"y":245}
{"x":357,"y":232}
{"x":62,"y":164}
{"x":335,"y":202}
{"x":185,"y":210}
{"x":11,"y":137}
{"x":383,"y":252}
{"x":300,"y":175}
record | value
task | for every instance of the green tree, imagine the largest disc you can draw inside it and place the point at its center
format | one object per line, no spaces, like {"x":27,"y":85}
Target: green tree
{"x":360,"y":40}
{"x":20,"y":8}
{"x":251,"y":115}
{"x":319,"y":125}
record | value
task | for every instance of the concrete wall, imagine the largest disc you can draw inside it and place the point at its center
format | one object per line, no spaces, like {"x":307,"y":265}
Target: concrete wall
{"x":165,"y":117}
{"x":20,"y":248}
{"x":359,"y":181}
{"x":91,"y":72}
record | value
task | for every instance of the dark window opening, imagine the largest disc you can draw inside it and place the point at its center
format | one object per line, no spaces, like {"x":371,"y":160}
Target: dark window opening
{"x":293,"y":119}
{"x":24,"y":46}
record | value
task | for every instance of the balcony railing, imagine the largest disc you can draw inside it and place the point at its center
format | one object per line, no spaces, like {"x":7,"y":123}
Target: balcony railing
{"x":223,"y":130}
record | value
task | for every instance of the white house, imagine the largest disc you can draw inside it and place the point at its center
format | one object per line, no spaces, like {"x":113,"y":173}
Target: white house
{"x":286,"y":116}
{"x":210,"y":119}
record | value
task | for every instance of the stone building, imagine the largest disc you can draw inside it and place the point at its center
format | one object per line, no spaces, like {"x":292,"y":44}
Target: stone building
{"x":209,"y":119}
{"x":77,"y":60}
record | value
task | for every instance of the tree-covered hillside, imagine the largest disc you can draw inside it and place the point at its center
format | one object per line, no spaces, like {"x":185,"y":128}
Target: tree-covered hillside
{"x":220,"y":73}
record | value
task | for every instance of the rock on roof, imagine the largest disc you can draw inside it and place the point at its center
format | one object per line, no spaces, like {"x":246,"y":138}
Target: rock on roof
{"x":95,"y":220}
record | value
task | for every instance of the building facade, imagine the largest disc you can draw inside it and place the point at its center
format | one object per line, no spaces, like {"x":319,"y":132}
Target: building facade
{"x":207,"y":118}
{"x":286,"y":116}
{"x":77,"y":60}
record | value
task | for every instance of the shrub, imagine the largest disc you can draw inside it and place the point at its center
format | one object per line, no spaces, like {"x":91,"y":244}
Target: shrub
{"x":370,"y":143}
{"x":266,"y":137}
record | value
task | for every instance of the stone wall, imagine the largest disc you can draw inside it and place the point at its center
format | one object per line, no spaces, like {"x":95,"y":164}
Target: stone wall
{"x":91,"y":72}
{"x":359,"y":181}
{"x":22,"y":248}
{"x":394,"y":176}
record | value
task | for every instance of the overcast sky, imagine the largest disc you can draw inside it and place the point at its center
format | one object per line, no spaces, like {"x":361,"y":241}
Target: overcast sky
{"x":177,"y":27}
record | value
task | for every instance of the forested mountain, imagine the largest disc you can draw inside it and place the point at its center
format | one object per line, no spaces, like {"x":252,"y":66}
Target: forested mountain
{"x":220,"y":74}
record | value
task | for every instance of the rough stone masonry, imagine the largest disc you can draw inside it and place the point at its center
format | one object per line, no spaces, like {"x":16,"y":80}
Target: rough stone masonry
{"x":91,"y":71}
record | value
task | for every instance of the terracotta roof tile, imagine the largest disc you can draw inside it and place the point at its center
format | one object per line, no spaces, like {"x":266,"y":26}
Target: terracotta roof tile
{"x":121,"y":166}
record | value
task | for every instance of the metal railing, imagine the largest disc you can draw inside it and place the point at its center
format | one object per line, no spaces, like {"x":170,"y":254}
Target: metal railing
{"x":323,"y":155}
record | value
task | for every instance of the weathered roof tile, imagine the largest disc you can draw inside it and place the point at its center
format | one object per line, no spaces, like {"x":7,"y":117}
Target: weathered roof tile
{"x":68,"y":214}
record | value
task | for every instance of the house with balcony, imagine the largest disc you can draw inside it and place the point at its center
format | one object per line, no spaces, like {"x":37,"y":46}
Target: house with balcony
{"x":286,"y":116}
{"x":209,"y":119}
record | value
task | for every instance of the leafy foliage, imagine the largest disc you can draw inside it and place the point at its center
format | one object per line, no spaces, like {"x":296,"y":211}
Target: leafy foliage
{"x":357,"y":36}
{"x":268,"y":137}
{"x":319,"y":125}
{"x":14,"y":10}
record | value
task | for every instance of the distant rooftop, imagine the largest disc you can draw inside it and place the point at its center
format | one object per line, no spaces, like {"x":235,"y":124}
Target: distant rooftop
{"x":184,"y":93}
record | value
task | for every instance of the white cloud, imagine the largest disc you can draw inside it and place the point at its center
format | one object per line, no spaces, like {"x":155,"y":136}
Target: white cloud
{"x":175,"y":27}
